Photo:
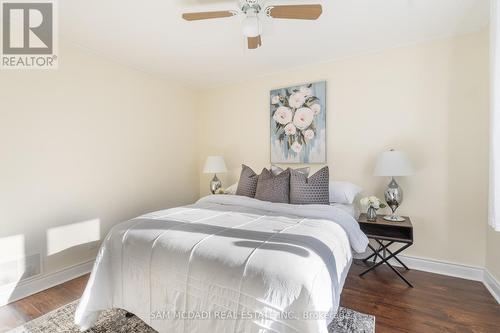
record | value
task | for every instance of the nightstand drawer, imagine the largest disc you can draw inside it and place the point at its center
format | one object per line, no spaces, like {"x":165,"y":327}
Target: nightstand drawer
{"x":386,"y":232}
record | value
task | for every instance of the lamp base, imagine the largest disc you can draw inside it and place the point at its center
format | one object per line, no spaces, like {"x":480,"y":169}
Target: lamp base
{"x":215,"y":184}
{"x":394,"y":197}
{"x":394,"y":218}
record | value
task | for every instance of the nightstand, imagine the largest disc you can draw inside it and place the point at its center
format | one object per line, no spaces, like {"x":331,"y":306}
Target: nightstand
{"x":387,"y":233}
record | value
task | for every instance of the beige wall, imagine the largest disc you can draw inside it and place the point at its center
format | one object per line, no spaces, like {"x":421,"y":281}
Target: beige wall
{"x":95,"y":143}
{"x":429,"y":99}
{"x":91,"y":142}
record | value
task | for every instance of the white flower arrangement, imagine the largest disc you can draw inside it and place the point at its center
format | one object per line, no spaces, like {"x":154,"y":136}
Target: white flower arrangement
{"x":220,"y":190}
{"x":372,"y":201}
{"x":293,"y":113}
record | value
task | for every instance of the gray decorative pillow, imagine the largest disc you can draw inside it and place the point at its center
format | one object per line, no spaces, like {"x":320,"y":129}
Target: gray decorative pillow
{"x":312,"y":190}
{"x":273,"y":188}
{"x":276,"y":170}
{"x":248,"y":182}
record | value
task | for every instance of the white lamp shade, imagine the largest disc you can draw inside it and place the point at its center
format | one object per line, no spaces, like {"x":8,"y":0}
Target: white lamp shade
{"x":215,"y":164}
{"x":393,"y":163}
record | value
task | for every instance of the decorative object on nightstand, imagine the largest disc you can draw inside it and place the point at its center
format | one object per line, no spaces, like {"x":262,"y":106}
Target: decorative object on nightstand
{"x":393,"y":163}
{"x":220,"y":190}
{"x":215,"y":165}
{"x":372,"y":204}
{"x":387,"y":233}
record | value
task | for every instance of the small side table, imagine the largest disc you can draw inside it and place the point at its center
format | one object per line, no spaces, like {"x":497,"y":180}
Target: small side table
{"x":387,"y":233}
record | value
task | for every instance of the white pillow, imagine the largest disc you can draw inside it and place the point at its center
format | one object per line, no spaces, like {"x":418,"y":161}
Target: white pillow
{"x":232,"y":189}
{"x":343,"y":192}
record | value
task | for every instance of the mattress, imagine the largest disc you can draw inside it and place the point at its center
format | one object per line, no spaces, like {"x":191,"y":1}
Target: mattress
{"x":226,"y":264}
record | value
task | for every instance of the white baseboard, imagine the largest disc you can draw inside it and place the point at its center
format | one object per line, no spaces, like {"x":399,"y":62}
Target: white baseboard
{"x":14,"y":292}
{"x":492,"y":285}
{"x":443,"y":268}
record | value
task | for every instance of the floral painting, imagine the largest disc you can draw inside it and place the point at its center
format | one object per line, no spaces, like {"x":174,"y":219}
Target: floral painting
{"x":298,"y":124}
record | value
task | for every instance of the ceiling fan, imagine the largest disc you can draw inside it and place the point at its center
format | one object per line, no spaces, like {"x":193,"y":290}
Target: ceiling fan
{"x":251,"y":10}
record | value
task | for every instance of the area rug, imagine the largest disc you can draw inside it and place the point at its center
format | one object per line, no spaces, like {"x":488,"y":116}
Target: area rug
{"x":114,"y":321}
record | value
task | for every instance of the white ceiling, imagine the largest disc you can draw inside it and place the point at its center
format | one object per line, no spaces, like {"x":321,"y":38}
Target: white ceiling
{"x":150,"y":34}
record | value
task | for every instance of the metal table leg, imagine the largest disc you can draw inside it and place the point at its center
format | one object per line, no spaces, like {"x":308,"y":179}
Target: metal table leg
{"x":379,"y":249}
{"x":385,"y":260}
{"x":396,"y":258}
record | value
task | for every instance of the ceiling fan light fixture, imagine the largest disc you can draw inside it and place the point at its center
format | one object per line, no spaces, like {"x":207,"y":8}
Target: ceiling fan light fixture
{"x":250,"y":11}
{"x":251,"y":26}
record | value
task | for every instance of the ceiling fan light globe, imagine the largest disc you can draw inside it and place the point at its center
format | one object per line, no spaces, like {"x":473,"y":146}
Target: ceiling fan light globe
{"x":251,"y":26}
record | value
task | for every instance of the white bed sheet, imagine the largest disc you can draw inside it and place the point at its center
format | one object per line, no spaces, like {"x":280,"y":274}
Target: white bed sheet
{"x":276,"y":265}
{"x":350,"y":209}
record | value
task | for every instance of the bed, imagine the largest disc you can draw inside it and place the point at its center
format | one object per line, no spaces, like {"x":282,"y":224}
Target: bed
{"x":227,"y":264}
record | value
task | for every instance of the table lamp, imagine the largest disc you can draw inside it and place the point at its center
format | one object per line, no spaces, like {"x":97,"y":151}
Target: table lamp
{"x":393,"y":163}
{"x":215,"y":165}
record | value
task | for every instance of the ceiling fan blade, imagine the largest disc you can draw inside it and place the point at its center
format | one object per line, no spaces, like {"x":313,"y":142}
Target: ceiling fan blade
{"x":298,"y":12}
{"x":254,"y":42}
{"x":208,"y":15}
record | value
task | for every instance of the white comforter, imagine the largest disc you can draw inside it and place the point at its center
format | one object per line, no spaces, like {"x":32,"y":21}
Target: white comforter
{"x":229,"y":264}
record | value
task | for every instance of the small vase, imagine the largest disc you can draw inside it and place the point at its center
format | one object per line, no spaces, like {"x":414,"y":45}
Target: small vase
{"x":371,"y":214}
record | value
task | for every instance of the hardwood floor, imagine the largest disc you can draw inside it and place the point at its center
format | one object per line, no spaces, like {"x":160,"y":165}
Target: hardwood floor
{"x":437,"y":303}
{"x":26,"y":309}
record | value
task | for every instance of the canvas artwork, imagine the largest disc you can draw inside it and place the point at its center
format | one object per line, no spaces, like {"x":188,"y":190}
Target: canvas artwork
{"x":298,"y":124}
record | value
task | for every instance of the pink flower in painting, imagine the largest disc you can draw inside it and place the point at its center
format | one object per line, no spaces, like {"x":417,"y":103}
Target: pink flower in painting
{"x":303,"y":118}
{"x":296,"y":147}
{"x":283,"y":115}
{"x":306,"y":91}
{"x":290,"y":129}
{"x":296,"y":100}
{"x":309,"y":134}
{"x":316,"y":109}
{"x":275,"y":99}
